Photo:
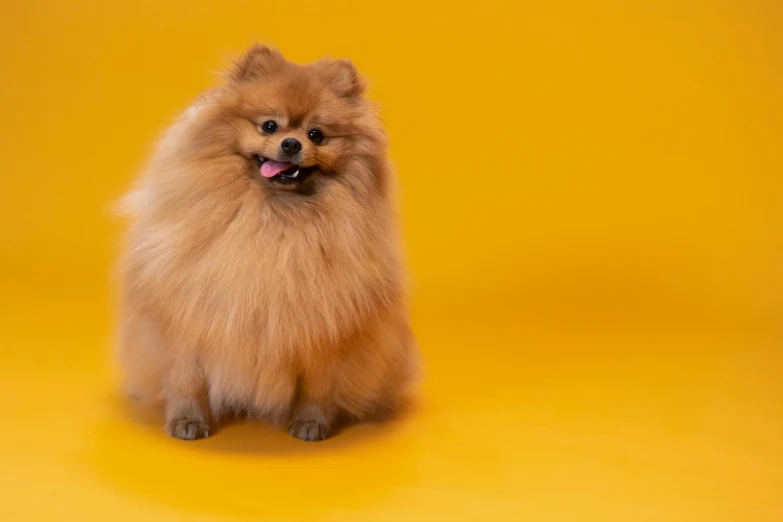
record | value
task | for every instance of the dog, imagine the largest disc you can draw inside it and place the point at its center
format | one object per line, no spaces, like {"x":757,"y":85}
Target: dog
{"x":262,"y":272}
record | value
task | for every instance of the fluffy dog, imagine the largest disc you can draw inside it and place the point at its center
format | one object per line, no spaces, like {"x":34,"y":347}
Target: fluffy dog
{"x":262,"y":273}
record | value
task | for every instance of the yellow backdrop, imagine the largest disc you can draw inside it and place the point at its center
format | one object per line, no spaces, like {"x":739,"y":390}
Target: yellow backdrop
{"x":592,"y":215}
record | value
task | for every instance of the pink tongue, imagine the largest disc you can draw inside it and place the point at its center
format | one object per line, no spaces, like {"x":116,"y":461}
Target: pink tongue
{"x":272,"y":168}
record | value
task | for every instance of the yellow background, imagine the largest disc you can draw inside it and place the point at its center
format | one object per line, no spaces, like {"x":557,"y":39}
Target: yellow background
{"x":592,"y":215}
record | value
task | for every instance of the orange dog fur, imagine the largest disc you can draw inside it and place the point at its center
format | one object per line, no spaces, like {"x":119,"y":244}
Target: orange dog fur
{"x":244,"y":294}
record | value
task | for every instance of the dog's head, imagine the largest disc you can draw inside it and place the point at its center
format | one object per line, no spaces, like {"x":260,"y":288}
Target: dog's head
{"x":296,"y":122}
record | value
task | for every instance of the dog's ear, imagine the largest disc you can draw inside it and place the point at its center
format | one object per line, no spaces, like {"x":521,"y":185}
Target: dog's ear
{"x":257,"y":62}
{"x":344,"y":78}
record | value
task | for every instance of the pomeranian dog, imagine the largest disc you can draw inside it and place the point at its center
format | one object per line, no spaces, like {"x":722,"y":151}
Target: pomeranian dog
{"x":262,"y":274}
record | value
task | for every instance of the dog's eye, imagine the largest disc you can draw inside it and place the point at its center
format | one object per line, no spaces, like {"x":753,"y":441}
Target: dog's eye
{"x":316,"y":136}
{"x":269,"y":127}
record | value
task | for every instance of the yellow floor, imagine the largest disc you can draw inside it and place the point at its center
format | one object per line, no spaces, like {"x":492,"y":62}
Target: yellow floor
{"x":592,"y":213}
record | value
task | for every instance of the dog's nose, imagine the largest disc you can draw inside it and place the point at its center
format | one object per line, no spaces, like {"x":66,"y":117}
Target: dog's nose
{"x":291,"y":146}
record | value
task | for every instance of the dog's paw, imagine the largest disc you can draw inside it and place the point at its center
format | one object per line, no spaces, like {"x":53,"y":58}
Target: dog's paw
{"x":188,"y":429}
{"x":308,"y":430}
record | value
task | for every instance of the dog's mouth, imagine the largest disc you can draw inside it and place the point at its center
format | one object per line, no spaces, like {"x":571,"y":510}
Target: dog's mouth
{"x":286,"y":173}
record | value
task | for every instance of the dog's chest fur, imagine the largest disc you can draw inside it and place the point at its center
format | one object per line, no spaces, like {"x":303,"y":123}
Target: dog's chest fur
{"x":235,"y":273}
